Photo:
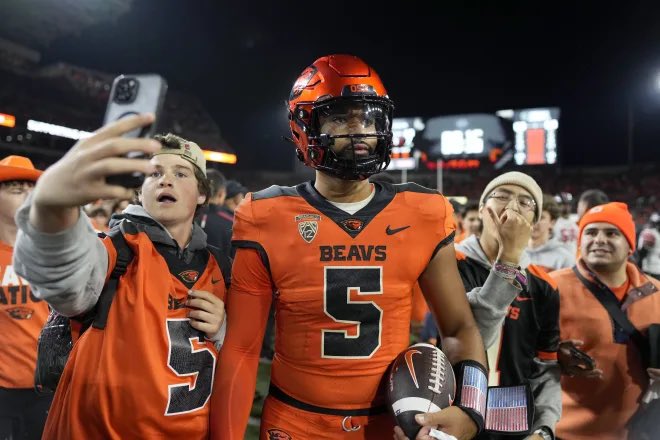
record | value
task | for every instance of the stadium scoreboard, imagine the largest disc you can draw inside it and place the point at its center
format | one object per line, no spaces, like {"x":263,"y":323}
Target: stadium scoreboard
{"x":526,"y":136}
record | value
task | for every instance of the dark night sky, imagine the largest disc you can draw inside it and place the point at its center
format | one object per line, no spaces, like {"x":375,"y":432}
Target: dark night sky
{"x":241,"y":59}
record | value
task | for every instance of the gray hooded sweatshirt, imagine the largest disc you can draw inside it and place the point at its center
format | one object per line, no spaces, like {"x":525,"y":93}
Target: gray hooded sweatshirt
{"x":551,"y":255}
{"x":490,"y":306}
{"x":68,"y":269}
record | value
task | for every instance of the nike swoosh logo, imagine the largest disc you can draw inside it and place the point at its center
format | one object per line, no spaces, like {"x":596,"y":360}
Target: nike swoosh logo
{"x":411,"y":367}
{"x":523,"y":298}
{"x":214,"y":281}
{"x":390,"y":231}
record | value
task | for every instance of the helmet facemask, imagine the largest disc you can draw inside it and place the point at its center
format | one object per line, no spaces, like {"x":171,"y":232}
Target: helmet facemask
{"x":350,"y":138}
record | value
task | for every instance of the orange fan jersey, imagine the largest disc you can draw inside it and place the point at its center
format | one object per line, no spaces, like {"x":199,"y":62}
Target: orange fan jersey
{"x":343,"y":287}
{"x":602,"y":408}
{"x":148,"y":374}
{"x":21,"y":318}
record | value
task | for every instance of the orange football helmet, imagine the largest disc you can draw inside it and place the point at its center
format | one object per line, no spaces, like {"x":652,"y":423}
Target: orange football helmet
{"x":332,"y":84}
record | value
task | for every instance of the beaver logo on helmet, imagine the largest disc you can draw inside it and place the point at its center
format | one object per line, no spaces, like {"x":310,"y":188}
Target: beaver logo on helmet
{"x":302,"y":82}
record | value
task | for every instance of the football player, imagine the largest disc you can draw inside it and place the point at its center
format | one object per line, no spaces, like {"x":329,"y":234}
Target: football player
{"x":340,"y":256}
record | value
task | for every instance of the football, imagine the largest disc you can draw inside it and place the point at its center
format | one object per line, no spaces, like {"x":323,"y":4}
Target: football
{"x":421,"y":380}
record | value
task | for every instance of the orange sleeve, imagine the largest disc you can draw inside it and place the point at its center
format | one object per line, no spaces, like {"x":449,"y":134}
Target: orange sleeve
{"x":248,"y":304}
{"x":547,"y":355}
{"x":112,"y":255}
{"x":419,"y":306}
{"x":449,"y":223}
{"x":246,"y":227}
{"x":441,"y":221}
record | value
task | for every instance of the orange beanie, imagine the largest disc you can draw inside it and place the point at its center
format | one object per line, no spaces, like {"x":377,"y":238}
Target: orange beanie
{"x":615,"y":213}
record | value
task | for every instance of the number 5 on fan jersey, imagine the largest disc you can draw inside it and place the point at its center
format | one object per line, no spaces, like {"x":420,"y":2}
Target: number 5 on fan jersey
{"x":186,"y":361}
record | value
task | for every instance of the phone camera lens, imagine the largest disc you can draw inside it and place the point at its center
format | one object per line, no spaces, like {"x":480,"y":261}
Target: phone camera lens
{"x":126,"y":91}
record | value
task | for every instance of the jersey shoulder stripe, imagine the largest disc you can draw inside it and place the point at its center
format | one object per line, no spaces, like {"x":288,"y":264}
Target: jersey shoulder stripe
{"x":275,"y":191}
{"x":413,"y":187}
{"x":247,"y":244}
{"x":449,"y":239}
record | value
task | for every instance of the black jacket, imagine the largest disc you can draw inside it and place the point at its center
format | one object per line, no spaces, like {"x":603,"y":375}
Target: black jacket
{"x":217,"y":221}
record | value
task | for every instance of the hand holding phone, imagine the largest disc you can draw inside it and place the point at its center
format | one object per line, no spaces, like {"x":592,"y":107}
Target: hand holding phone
{"x":131,"y":95}
{"x":79,"y":177}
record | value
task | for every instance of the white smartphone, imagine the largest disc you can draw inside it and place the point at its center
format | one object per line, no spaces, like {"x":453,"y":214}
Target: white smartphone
{"x":131,"y":95}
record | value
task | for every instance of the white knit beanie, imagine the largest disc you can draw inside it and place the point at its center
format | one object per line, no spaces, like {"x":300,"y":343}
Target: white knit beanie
{"x":518,"y":179}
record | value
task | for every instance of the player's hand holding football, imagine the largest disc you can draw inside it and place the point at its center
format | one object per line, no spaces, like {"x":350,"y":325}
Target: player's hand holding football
{"x":452,"y":420}
{"x":79,"y":177}
{"x":512,"y":234}
{"x":207,"y":312}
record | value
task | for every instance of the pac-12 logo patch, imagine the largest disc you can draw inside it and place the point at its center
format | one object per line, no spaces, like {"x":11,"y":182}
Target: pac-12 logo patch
{"x":308,"y":226}
{"x":278,"y":434}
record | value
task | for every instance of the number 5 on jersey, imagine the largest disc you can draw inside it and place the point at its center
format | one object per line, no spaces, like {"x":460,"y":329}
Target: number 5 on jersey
{"x":365,"y":315}
{"x":186,"y":361}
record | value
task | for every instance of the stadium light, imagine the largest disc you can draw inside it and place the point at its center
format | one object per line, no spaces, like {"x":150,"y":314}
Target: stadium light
{"x":56,"y":130}
{"x":631,"y":121}
{"x":72,"y":133}
{"x":7,"y":120}
{"x":216,"y":156}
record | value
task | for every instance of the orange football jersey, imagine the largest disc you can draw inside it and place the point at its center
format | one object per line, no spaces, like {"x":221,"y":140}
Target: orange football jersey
{"x":148,"y":374}
{"x":343,"y":283}
{"x":21,"y":317}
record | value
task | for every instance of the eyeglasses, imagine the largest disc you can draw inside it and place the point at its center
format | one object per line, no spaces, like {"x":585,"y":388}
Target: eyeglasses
{"x":16,"y":186}
{"x":526,"y":203}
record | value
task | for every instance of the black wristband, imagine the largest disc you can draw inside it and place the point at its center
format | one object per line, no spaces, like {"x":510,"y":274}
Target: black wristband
{"x":472,"y":390}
